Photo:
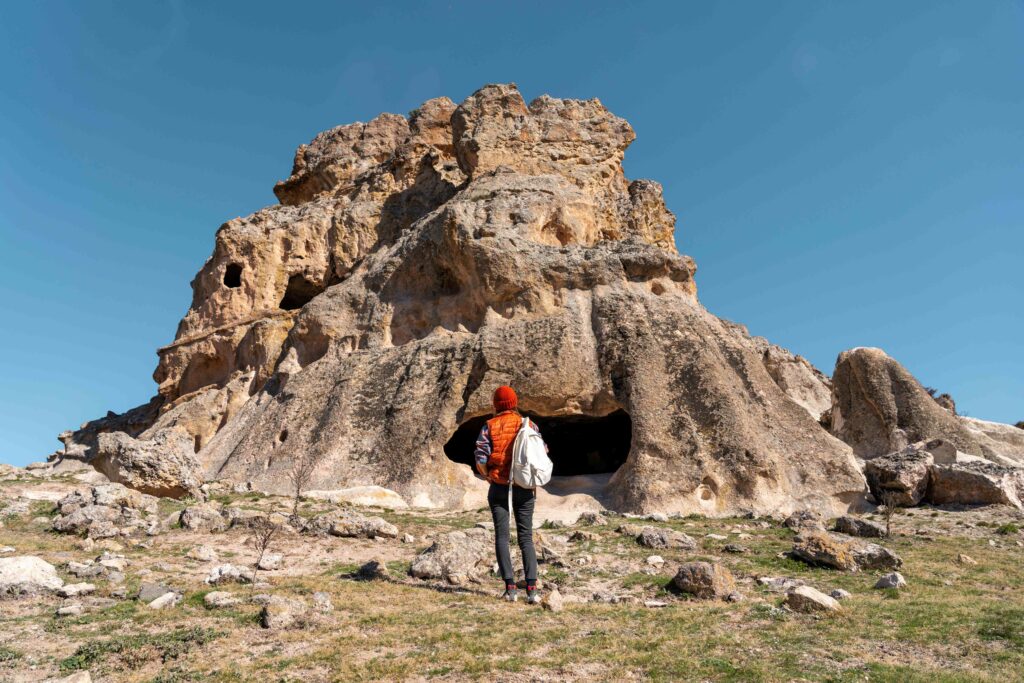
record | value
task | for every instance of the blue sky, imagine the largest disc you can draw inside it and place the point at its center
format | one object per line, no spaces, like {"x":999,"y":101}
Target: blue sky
{"x":845,"y":174}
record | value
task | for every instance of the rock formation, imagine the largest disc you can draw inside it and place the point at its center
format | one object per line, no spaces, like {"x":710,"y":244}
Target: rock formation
{"x":417,"y":262}
{"x":879,"y":408}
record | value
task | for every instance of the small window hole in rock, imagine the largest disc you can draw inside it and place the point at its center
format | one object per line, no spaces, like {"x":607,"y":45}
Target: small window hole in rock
{"x":299,"y":292}
{"x":233,"y":276}
{"x":577,"y":444}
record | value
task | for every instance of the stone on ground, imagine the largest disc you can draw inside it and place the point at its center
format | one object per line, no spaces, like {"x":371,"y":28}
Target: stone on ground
{"x":455,"y":556}
{"x":282,"y":613}
{"x":553,"y":601}
{"x":892,"y":580}
{"x":374,"y":570}
{"x":218,"y":599}
{"x":821,"y":549}
{"x":705,"y":580}
{"x":807,"y":599}
{"x":656,"y":537}
{"x":27,"y":575}
{"x":856,"y":526}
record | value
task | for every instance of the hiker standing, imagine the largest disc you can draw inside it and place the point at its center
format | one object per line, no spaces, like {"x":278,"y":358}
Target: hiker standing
{"x":494,"y":462}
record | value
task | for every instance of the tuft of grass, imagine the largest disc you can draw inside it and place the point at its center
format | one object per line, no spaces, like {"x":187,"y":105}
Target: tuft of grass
{"x":133,"y":649}
{"x":9,"y":654}
{"x":1006,"y":625}
{"x":1008,"y":529}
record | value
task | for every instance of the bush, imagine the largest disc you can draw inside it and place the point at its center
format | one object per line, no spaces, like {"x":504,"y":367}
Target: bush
{"x":1008,"y":528}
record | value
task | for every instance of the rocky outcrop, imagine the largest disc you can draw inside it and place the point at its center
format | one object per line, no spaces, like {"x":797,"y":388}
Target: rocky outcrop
{"x":878,"y":408}
{"x":976,"y":483}
{"x":417,"y":262}
{"x":899,"y":478}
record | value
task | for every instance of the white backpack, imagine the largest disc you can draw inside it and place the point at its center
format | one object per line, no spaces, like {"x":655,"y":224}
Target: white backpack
{"x":531,"y":466}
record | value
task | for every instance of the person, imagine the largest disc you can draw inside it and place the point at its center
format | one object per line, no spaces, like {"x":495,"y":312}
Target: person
{"x":493,"y":458}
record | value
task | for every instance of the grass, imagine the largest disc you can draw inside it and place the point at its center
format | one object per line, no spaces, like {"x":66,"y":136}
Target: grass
{"x":953,"y":622}
{"x":135,"y":649}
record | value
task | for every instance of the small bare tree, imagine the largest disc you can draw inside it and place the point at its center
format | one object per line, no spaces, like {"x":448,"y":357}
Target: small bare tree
{"x":299,"y":475}
{"x":262,"y":531}
{"x":889,"y":507}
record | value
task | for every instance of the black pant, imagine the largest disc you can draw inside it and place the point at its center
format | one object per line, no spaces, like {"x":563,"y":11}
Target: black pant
{"x":522,"y":504}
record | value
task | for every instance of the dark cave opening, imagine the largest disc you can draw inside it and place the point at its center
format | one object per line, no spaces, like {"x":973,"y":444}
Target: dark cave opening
{"x":233,"y":276}
{"x":577,"y":444}
{"x":299,"y":292}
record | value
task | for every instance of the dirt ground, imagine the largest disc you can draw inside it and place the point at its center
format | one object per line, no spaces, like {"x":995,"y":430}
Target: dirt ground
{"x":621,"y":619}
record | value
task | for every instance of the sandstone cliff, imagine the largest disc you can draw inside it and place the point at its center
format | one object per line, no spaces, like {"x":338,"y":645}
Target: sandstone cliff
{"x":417,"y":262}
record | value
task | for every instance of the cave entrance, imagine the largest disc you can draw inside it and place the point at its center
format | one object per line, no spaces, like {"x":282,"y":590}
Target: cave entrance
{"x":577,"y":444}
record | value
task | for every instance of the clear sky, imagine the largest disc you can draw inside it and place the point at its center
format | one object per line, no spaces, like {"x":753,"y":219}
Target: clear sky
{"x":844,"y":173}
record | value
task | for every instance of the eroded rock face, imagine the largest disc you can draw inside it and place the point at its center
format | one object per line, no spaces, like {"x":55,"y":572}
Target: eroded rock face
{"x":417,"y":262}
{"x":880,"y":408}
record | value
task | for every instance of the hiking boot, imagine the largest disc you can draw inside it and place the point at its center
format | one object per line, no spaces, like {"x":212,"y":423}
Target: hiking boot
{"x":532,"y":596}
{"x":511,"y":594}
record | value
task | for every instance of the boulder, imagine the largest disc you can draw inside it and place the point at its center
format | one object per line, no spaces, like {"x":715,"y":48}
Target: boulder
{"x":655,"y":537}
{"x":705,"y":580}
{"x":899,"y":478}
{"x":203,"y":517}
{"x":822,"y":549}
{"x":855,"y":526}
{"x":455,"y":556}
{"x":169,"y":599}
{"x":977,"y":483}
{"x":27,"y":575}
{"x":282,"y":613}
{"x":892,"y":580}
{"x":807,"y":599}
{"x":162,"y":465}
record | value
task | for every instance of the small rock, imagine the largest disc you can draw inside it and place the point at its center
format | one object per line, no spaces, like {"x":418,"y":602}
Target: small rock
{"x":228,"y":573}
{"x":654,"y":604}
{"x":217,"y":599}
{"x":72,"y":590}
{"x":892,"y":580}
{"x":166,"y":600}
{"x":855,"y":526}
{"x":408,"y":538}
{"x":735,"y":548}
{"x":115,"y":577}
{"x":705,"y":580}
{"x":148,"y":592}
{"x":374,"y":570}
{"x":71,"y":609}
{"x":591,"y":519}
{"x":322,"y":602}
{"x":7,"y":550}
{"x":804,"y":520}
{"x":552,"y":601}
{"x":779,"y":584}
{"x":653,"y":537}
{"x":583,"y":536}
{"x":202,"y":553}
{"x":655,"y":560}
{"x":807,"y":599}
{"x":874,"y":556}
{"x":819,"y":548}
{"x":717,"y":537}
{"x":966,"y":560}
{"x":281,"y":613}
{"x":658,"y":517}
{"x":840,"y":594}
{"x":270,"y":562}
{"x":203,"y":517}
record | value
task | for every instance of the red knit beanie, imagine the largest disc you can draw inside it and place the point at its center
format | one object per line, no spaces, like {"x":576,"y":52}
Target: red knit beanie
{"x":505,"y":399}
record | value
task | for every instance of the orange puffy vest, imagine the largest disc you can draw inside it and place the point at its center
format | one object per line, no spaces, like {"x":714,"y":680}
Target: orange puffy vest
{"x":503,"y":428}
